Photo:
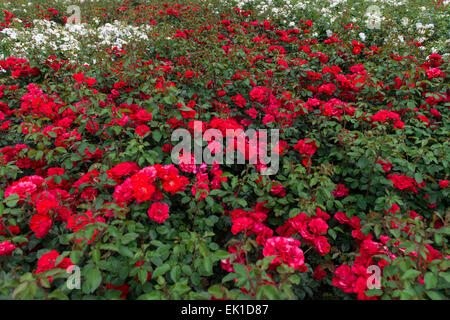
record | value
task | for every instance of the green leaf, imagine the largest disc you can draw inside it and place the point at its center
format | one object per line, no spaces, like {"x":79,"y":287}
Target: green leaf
{"x":217,"y":291}
{"x":221,"y":254}
{"x":229,"y":277}
{"x":187,"y":270}
{"x":95,"y":253}
{"x":175,"y":273}
{"x":154,"y":295}
{"x":208,"y":265}
{"x":293,"y":212}
{"x":142,"y":275}
{"x":127,"y":238}
{"x":445,"y":275}
{"x":93,"y":279}
{"x":156,"y":135}
{"x":180,"y":288}
{"x":267,"y":292}
{"x":362,"y":162}
{"x":125,"y":251}
{"x":418,"y":177}
{"x":25,"y":291}
{"x":430,"y":280}
{"x":75,"y":256}
{"x":410,"y":274}
{"x":12,"y":200}
{"x":374,"y":292}
{"x":161,"y":270}
{"x":435,"y":295}
{"x":332,"y":233}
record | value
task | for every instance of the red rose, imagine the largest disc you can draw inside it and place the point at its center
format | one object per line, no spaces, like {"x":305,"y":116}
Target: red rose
{"x":322,"y":245}
{"x":434,"y":73}
{"x":239,"y":100}
{"x":278,"y":189}
{"x":143,"y":115}
{"x":189,"y":74}
{"x":47,"y":262}
{"x":221,"y":93}
{"x":306,"y":147}
{"x":142,"y":130}
{"x":241,"y":224}
{"x":356,"y":50}
{"x":259,"y":94}
{"x":172,"y":183}
{"x":318,"y":226}
{"x":340,"y":191}
{"x":158,"y":212}
{"x":78,"y":77}
{"x":40,"y":224}
{"x":90,"y":81}
{"x":341,"y":217}
{"x":306,"y":162}
{"x":6,"y":248}
{"x":122,"y":169}
{"x":443,"y":184}
{"x":344,"y":278}
{"x":319,"y":273}
{"x":44,"y":206}
{"x":385,"y":164}
{"x":143,"y":189}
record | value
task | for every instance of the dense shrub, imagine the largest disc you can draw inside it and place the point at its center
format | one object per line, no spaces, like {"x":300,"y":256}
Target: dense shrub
{"x":87,"y":178}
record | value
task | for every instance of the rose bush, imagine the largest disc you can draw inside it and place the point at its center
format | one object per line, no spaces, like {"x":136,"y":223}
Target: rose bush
{"x":357,"y":210}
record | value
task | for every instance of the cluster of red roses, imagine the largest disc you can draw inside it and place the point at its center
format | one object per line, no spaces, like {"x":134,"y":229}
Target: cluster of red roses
{"x":146,"y":185}
{"x":9,"y":16}
{"x":201,"y":186}
{"x":55,"y":195}
{"x":18,"y":67}
{"x":385,"y":115}
{"x":355,"y":278}
{"x":48,"y":262}
{"x":312,"y":229}
{"x":286,"y":250}
{"x":307,"y":148}
{"x":16,"y":154}
{"x":403,"y":182}
{"x":251,"y":222}
{"x":51,"y":203}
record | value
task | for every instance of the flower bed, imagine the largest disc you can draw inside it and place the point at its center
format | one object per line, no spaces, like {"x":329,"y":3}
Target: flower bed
{"x":93,"y":205}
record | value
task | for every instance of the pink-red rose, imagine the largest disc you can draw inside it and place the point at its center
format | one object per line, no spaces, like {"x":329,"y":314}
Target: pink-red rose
{"x":158,"y":212}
